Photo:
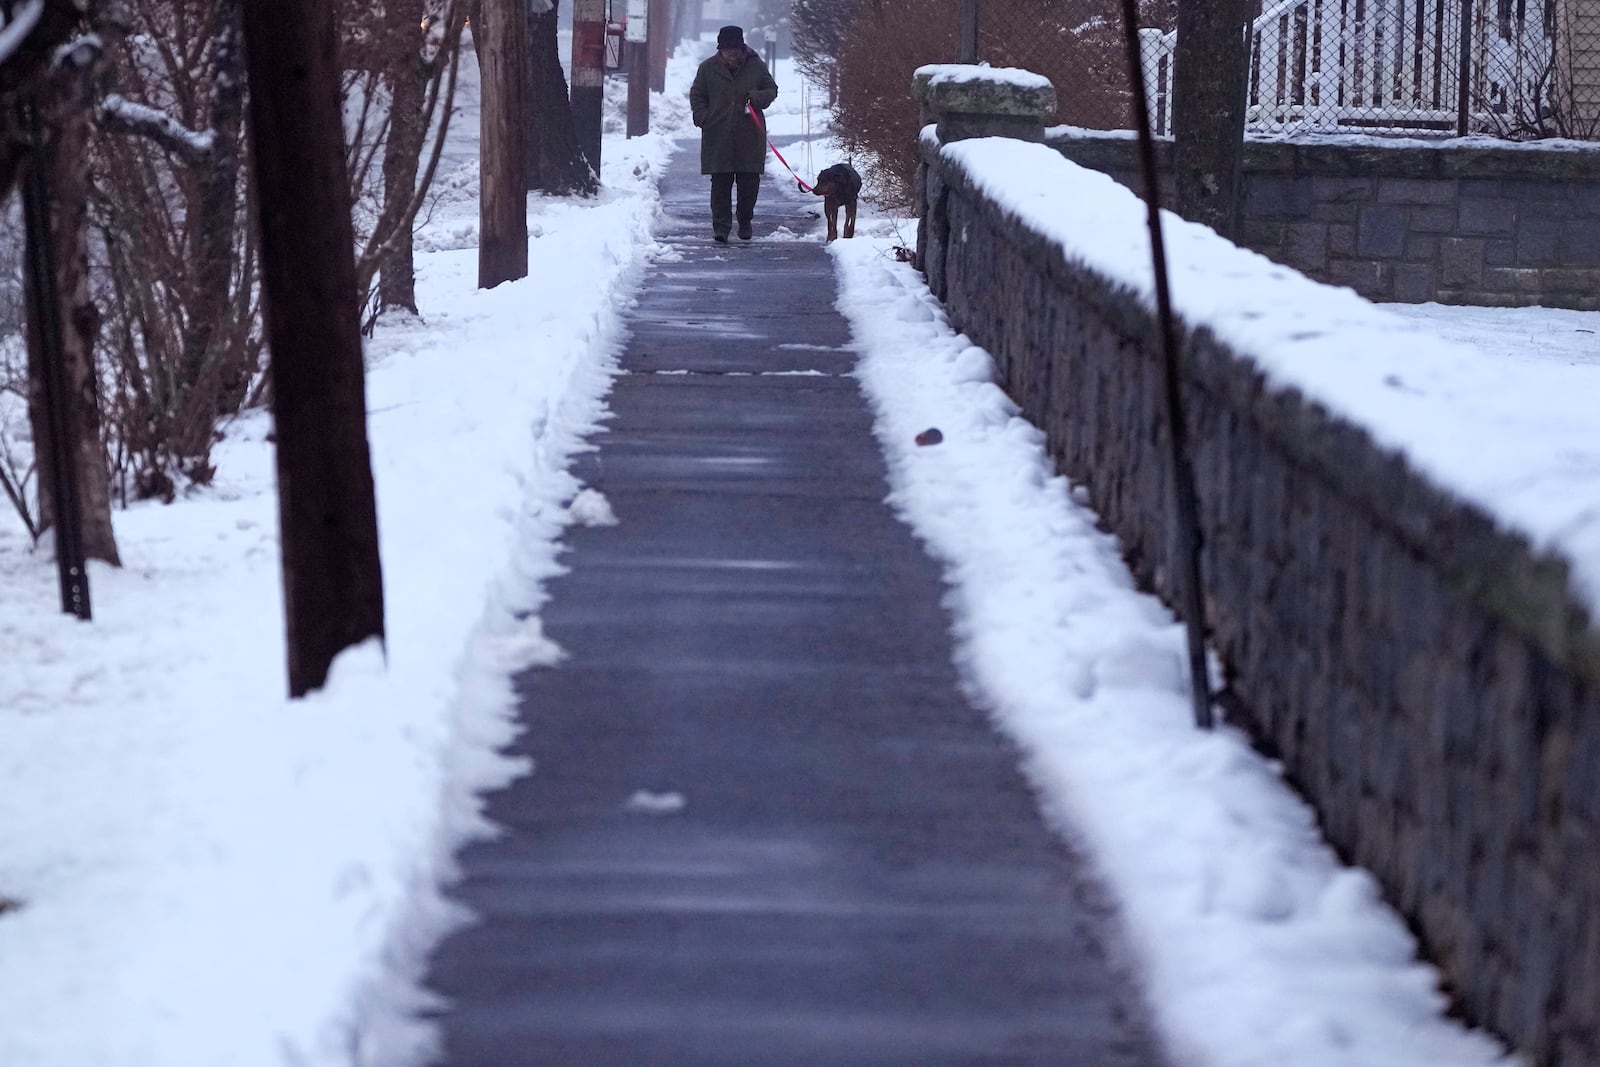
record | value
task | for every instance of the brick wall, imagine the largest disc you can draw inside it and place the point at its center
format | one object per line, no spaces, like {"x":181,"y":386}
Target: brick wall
{"x":1428,"y":680}
{"x":1410,"y":221}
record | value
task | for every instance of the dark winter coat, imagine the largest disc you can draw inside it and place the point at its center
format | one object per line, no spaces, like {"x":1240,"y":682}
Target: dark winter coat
{"x":731,"y":141}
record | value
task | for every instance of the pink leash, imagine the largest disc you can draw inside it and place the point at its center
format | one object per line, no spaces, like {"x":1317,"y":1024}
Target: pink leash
{"x":754,"y":114}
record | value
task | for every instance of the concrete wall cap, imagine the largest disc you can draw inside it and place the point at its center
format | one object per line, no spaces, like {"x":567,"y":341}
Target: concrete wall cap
{"x":981,"y":90}
{"x":1369,"y":155}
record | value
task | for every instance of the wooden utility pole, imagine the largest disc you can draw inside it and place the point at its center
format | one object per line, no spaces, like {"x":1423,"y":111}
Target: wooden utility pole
{"x":503,"y":59}
{"x":327,"y":517}
{"x":1209,"y":80}
{"x":588,"y":76}
{"x":660,"y":43}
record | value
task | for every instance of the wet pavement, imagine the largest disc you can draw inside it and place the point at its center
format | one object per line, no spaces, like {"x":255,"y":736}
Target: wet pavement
{"x":766,"y":828}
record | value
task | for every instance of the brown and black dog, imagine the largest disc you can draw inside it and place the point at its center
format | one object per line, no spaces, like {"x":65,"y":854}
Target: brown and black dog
{"x":839,"y":186}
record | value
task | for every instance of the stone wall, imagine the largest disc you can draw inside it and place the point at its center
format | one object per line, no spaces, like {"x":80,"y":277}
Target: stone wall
{"x":1462,"y":223}
{"x":1429,"y":681}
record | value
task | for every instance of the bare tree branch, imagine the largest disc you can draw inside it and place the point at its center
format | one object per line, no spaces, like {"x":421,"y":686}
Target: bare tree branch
{"x":120,"y":115}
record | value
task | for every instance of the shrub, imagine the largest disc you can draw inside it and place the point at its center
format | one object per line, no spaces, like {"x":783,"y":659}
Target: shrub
{"x":874,"y":49}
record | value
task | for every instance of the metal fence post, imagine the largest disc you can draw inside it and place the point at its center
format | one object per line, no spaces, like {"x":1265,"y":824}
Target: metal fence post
{"x":1464,"y":94}
{"x":46,"y":310}
{"x":969,"y":32}
{"x":1186,"y":510}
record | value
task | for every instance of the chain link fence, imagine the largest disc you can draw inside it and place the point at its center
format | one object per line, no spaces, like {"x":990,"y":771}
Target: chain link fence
{"x":1514,"y":69}
{"x":1077,"y":44}
{"x":1518,"y":69}
{"x":1508,"y":68}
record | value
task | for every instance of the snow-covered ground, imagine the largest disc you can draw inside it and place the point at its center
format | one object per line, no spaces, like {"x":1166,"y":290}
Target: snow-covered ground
{"x":1517,"y":335}
{"x":205,"y":873}
{"x":1256,"y":946}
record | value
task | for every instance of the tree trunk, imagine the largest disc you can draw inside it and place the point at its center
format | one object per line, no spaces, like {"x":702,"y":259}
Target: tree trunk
{"x":503,"y":200}
{"x":213,"y":366}
{"x":555,"y":165}
{"x":408,"y":80}
{"x":332,"y":576}
{"x":1208,"y":108}
{"x":65,"y":105}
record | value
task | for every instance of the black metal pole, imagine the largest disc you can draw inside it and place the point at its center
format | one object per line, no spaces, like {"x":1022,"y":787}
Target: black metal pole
{"x":46,"y":310}
{"x":1464,"y":94}
{"x":969,"y":32}
{"x":1185,"y":501}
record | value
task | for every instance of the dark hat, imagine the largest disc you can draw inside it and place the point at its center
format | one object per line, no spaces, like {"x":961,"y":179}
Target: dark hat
{"x":730,"y":37}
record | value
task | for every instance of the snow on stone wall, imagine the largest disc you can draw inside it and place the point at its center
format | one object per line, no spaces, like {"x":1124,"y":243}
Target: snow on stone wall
{"x":1470,"y":221}
{"x":1428,"y":677}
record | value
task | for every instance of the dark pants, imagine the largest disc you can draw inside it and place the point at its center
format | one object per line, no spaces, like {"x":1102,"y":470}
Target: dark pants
{"x":749,"y":183}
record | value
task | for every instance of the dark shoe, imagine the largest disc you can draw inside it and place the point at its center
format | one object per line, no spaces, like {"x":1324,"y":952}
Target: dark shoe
{"x":746,"y":231}
{"x":720,"y":238}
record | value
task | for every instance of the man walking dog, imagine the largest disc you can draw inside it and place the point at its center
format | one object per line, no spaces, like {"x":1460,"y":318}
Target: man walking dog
{"x":733,"y":142}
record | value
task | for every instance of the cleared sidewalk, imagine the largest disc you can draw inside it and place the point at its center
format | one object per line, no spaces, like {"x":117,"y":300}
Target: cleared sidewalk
{"x":766,"y":827}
